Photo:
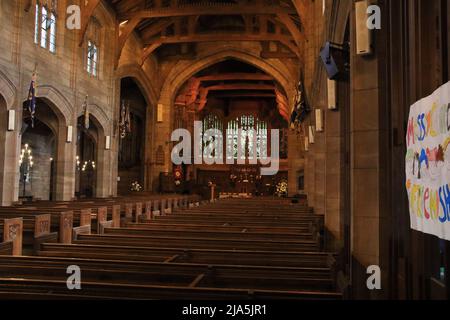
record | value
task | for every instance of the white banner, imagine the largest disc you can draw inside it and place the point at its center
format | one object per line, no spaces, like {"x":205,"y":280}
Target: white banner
{"x":428,"y":164}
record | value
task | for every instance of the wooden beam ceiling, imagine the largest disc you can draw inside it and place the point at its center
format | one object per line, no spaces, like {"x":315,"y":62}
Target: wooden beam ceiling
{"x":207,"y":9}
{"x":236,"y":76}
{"x":152,"y":24}
{"x":215,"y":37}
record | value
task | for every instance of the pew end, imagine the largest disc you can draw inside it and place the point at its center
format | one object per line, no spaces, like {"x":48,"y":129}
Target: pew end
{"x":13,"y":232}
{"x":66,"y":227}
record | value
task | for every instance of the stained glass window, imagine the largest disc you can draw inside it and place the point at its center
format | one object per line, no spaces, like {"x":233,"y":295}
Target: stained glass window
{"x":250,"y":126}
{"x":211,"y":121}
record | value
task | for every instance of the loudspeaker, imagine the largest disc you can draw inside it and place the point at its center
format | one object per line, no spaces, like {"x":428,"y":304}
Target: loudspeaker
{"x":363,"y":33}
{"x":108,"y":143}
{"x":312,"y":132}
{"x":306,"y":144}
{"x":319,"y":120}
{"x":11,"y":120}
{"x":335,"y":59}
{"x":329,"y":61}
{"x":69,"y":134}
{"x":159,"y":113}
{"x":332,"y":94}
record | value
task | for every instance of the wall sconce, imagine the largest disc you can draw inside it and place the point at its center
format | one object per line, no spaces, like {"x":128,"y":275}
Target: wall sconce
{"x":69,"y":134}
{"x":306,"y":144}
{"x":159,"y":113}
{"x":11,"y":120}
{"x":319,"y":120}
{"x":108,"y":142}
{"x":312,"y":132}
{"x":332,"y":90}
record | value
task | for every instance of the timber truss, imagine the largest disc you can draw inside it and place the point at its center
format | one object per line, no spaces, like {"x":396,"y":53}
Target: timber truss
{"x":277,"y":24}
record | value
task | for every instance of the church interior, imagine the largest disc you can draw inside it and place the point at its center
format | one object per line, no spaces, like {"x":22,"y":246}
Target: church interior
{"x":95,"y":204}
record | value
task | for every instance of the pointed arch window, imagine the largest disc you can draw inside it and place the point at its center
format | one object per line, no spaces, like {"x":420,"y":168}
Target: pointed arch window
{"x":45,"y":25}
{"x":92,"y":58}
{"x":92,"y":54}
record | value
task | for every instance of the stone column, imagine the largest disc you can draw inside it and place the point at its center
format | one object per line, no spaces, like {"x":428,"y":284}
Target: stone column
{"x":104,"y":174}
{"x":162,"y":139}
{"x":65,"y":165}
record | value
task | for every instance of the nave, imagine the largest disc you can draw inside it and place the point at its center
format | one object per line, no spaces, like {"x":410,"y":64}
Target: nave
{"x":170,"y":247}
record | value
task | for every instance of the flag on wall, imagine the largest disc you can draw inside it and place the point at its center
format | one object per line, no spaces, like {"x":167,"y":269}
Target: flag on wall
{"x":86,"y":113}
{"x":128,"y":119}
{"x":301,"y":105}
{"x":122,"y":128}
{"x":125,"y":120}
{"x":32,"y":97}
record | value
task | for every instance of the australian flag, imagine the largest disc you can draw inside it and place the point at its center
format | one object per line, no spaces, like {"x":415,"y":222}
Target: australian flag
{"x":32,"y":98}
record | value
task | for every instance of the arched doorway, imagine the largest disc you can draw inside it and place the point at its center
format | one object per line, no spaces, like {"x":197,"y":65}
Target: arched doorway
{"x":86,"y":158}
{"x":132,"y":132}
{"x":37,"y":154}
{"x":3,"y":132}
{"x":244,"y":103}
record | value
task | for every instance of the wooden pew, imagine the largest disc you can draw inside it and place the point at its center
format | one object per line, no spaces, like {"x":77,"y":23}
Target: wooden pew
{"x":187,"y":255}
{"x":62,"y":221}
{"x":19,"y":288}
{"x":36,"y":229}
{"x":12,"y":232}
{"x":154,"y":273}
{"x":203,"y":233}
{"x":198,"y":243}
{"x":156,"y":225}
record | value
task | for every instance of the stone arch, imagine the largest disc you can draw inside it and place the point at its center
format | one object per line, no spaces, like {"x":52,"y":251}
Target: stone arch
{"x":102,"y":175}
{"x":57,"y":102}
{"x":134,"y":72}
{"x":143,"y":82}
{"x":7,"y":90}
{"x":64,"y":155}
{"x":184,"y":70}
{"x":101,"y":119}
{"x":339,"y":18}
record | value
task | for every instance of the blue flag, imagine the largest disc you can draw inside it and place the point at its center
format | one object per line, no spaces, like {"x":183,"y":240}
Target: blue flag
{"x":32,"y":98}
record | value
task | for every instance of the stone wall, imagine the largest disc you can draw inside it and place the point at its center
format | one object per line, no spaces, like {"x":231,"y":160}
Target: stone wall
{"x":63,"y":83}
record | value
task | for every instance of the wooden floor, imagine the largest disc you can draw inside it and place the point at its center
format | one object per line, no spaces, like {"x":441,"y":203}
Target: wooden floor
{"x":170,"y":247}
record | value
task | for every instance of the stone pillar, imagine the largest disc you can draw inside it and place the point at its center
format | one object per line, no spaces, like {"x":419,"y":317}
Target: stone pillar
{"x":103,"y":165}
{"x":9,"y":168}
{"x":162,"y":141}
{"x":296,"y":161}
{"x":65,"y":165}
{"x":367,"y":137}
{"x":9,"y":160}
{"x":149,"y":133}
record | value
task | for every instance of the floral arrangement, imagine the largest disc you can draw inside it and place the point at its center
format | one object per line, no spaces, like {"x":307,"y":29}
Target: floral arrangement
{"x":282,"y":188}
{"x":136,"y":187}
